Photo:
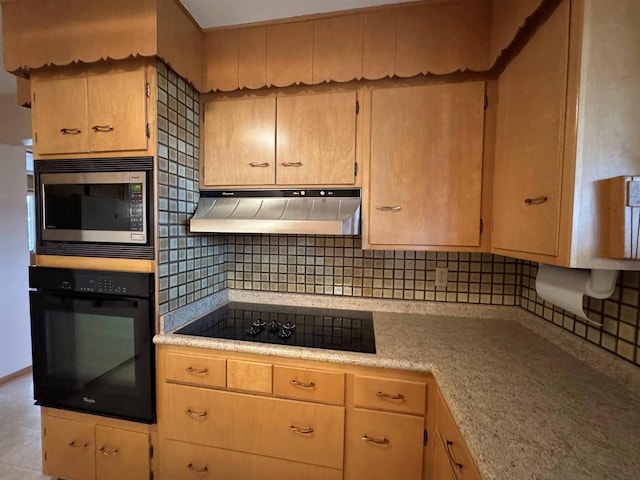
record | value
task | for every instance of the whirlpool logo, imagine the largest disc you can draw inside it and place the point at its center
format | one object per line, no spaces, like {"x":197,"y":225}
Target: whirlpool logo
{"x":88,"y":400}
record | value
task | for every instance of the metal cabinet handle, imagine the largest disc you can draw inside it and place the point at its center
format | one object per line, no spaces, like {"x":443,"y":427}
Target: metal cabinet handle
{"x":302,"y":384}
{"x":302,"y":430}
{"x":390,"y":396}
{"x":536,"y":201}
{"x":291,"y":164}
{"x":452,"y":459}
{"x":102,"y":128}
{"x":197,"y":469}
{"x":106,"y":452}
{"x":195,"y":413}
{"x":379,"y":441}
{"x":260,"y":165}
{"x":197,"y":371}
{"x":70,"y":131}
{"x":389,"y":208}
{"x":76,"y":444}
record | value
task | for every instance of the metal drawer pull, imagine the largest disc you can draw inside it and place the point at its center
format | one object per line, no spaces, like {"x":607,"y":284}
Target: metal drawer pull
{"x":193,"y":413}
{"x":379,"y":441}
{"x":387,"y":208}
{"x":107,"y":452}
{"x":199,"y":371}
{"x":303,"y":384}
{"x":397,"y":396}
{"x":291,"y":164}
{"x":536,"y":201}
{"x":76,"y":444}
{"x":70,"y":131}
{"x":261,"y":165}
{"x":304,"y":431}
{"x":450,"y":455}
{"x":102,"y":128}
{"x":197,"y":469}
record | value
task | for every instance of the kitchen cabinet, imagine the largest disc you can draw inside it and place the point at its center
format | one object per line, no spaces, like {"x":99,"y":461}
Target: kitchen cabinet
{"x":567,"y":107}
{"x":451,"y":456}
{"x":425,"y":167}
{"x":318,"y":421}
{"x":289,"y":54}
{"x":75,"y":112}
{"x":310,"y":141}
{"x":84,"y":447}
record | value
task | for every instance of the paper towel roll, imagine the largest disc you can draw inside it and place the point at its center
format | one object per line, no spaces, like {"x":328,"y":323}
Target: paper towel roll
{"x":564,"y":287}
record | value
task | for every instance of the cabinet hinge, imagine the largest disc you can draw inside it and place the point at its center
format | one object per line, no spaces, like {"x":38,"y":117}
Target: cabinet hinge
{"x":355,"y":169}
{"x":357,"y":107}
{"x":150,"y":451}
{"x":486,"y":102}
{"x":35,"y":137}
{"x":147,"y":89}
{"x":148,"y":131}
{"x":481,"y":226}
{"x":425,"y":439}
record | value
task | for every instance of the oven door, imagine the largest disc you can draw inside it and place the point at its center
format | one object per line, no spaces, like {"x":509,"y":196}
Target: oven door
{"x":93,"y":353}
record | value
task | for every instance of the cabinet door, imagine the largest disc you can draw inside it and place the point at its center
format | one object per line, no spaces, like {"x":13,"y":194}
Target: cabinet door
{"x":316,"y":139}
{"x":442,"y":469}
{"x":289,"y":54}
{"x":117,"y":111}
{"x":60,"y":115}
{"x":426,"y":165}
{"x":530,"y":140}
{"x":121,"y":454}
{"x":68,"y":448}
{"x":240,"y":144}
{"x":383,"y":446}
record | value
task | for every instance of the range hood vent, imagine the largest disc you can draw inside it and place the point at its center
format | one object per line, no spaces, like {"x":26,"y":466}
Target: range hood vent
{"x":313,"y":212}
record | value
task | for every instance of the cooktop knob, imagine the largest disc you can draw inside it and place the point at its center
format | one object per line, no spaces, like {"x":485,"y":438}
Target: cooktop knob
{"x":274,"y":326}
{"x":285,"y":333}
{"x":253,"y":331}
{"x":289,"y":326}
{"x":259,"y":323}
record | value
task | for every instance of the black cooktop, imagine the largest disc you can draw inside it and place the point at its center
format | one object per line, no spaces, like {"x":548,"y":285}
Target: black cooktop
{"x":346,"y":330}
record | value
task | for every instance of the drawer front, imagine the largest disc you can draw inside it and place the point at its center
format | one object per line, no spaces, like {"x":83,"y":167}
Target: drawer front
{"x":453,"y":443}
{"x":299,"y":431}
{"x":249,"y":376}
{"x":384,"y":445}
{"x":185,"y":461}
{"x":311,"y":385}
{"x":395,"y":395}
{"x":122,"y":454}
{"x":196,"y":369}
{"x":69,"y":448}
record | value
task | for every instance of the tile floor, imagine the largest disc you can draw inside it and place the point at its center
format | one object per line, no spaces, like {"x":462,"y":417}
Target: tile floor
{"x":20,"y":451}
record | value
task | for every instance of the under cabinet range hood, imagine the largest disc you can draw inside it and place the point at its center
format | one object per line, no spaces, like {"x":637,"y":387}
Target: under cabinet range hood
{"x":305,"y":211}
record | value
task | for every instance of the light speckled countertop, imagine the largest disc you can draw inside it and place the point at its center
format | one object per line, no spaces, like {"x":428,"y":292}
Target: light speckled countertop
{"x":530,"y":401}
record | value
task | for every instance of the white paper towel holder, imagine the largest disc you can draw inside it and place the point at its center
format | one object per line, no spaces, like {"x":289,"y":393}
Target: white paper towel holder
{"x":572,"y":284}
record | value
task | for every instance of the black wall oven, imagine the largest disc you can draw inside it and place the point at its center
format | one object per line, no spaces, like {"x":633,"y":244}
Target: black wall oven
{"x":92,"y":341}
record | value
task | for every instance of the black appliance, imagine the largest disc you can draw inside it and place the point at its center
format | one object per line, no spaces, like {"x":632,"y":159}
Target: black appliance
{"x":95,"y":207}
{"x":91,"y":334}
{"x":345,"y":330}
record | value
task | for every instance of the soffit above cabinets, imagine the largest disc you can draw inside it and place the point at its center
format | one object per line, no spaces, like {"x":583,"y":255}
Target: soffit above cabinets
{"x":218,"y":13}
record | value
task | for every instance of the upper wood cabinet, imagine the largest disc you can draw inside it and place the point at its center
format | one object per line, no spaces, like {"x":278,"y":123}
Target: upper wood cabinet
{"x":567,"y":118}
{"x":310,"y":141}
{"x":425,"y":168}
{"x":89,"y":113}
{"x":289,"y":54}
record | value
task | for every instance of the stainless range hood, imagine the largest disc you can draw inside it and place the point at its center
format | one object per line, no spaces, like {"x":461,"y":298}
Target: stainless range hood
{"x":307,"y":211}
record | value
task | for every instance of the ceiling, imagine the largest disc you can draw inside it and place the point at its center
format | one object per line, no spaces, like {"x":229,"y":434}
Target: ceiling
{"x":216,"y":13}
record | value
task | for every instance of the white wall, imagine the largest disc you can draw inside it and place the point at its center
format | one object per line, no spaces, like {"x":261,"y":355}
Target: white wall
{"x":15,"y":333}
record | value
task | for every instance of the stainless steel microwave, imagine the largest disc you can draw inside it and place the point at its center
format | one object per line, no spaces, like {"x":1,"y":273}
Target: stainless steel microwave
{"x":93,"y":203}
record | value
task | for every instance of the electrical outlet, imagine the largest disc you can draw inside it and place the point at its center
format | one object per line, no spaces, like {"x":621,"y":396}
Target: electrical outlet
{"x":442,"y":277}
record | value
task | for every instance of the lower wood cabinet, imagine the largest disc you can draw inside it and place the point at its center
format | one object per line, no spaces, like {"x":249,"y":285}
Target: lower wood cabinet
{"x":76,"y":447}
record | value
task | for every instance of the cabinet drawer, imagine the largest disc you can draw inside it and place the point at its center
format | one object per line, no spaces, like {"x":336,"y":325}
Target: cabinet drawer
{"x":122,"y":454}
{"x":396,"y":395}
{"x":384,"y":445}
{"x":184,"y":461}
{"x":249,"y":376}
{"x":299,"y":431}
{"x":196,"y":369}
{"x":453,"y":443}
{"x":68,"y":447}
{"x":312,"y":385}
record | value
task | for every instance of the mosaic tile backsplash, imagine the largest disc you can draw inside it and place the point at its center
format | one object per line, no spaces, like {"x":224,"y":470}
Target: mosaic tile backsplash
{"x":189,"y":267}
{"x":195,"y":266}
